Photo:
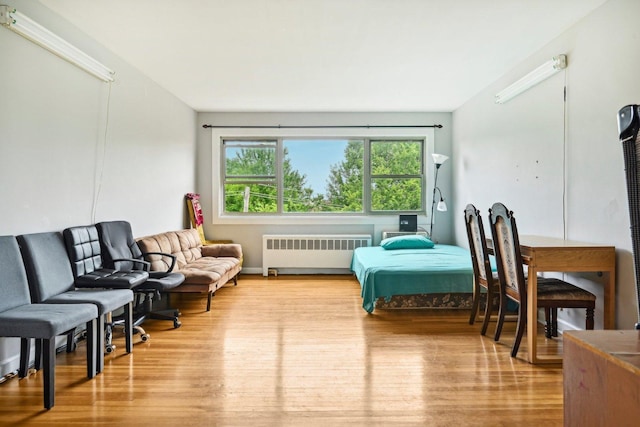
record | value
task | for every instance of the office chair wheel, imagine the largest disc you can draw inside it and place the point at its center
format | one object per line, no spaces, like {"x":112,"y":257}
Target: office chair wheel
{"x":144,"y":337}
{"x":109,"y":348}
{"x":177,"y":323}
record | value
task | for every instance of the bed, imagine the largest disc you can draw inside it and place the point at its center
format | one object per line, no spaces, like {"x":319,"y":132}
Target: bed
{"x":387,"y":273}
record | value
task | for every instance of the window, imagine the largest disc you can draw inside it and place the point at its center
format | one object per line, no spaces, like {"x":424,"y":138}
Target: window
{"x":396,"y":175}
{"x":323,"y":175}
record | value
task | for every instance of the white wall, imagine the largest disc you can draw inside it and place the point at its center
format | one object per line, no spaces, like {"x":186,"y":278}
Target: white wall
{"x":67,"y":139}
{"x":249,"y":234}
{"x":562,"y":175}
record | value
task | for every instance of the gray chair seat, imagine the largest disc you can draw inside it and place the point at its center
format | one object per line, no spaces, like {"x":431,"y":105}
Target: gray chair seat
{"x":162,"y":281}
{"x":22,"y":319}
{"x":106,"y":300}
{"x":111,"y":279}
{"x":43,"y":321}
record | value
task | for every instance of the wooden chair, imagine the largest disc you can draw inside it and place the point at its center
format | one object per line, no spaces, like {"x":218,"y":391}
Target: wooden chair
{"x":483,"y":276}
{"x":197,"y":220}
{"x":552,"y":293}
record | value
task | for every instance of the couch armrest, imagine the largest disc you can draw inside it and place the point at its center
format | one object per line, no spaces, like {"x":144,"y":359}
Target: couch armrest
{"x":223,"y":250}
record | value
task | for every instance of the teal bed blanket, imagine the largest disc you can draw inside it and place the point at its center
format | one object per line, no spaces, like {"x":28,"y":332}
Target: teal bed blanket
{"x":385,"y":273}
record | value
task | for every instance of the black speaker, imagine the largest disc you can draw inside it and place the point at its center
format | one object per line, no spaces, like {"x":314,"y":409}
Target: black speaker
{"x":408,"y":223}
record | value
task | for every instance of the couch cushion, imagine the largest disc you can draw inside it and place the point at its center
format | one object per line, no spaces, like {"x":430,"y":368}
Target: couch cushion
{"x":210,"y":270}
{"x":183,"y":244}
{"x":189,"y":244}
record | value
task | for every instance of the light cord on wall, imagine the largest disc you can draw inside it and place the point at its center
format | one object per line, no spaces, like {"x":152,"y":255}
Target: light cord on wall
{"x":564,"y":159}
{"x":99,"y":168}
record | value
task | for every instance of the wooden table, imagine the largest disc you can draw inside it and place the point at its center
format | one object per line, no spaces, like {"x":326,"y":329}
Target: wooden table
{"x":549,"y":254}
{"x":601,"y":378}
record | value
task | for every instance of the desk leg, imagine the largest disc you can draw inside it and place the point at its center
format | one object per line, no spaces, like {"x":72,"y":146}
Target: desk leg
{"x":610,"y":299}
{"x":532,"y":314}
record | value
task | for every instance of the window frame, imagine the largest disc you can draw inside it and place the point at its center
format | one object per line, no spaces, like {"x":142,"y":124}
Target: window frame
{"x":383,"y":219}
{"x":279,"y":143}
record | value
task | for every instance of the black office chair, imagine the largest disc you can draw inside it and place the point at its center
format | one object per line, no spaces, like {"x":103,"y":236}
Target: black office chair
{"x":120,"y":251}
{"x":51,"y":281}
{"x":20,"y":318}
{"x":89,"y":272}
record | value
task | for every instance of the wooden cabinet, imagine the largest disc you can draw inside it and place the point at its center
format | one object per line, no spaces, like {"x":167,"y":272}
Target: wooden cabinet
{"x":601,"y":378}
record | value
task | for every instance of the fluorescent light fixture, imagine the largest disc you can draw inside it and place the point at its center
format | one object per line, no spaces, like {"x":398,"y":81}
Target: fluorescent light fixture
{"x":29,"y":29}
{"x":541,"y":73}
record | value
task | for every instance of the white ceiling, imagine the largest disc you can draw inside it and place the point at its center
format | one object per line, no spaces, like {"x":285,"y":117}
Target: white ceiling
{"x":323,"y":55}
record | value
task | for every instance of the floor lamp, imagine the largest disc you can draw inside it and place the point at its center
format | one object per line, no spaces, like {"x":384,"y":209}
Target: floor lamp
{"x":438,"y":160}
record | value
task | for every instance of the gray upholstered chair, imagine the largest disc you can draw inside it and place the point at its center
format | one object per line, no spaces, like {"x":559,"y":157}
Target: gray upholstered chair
{"x":483,"y":275}
{"x":120,"y":251}
{"x":552,"y":293}
{"x":51,"y":281}
{"x":21,"y":319}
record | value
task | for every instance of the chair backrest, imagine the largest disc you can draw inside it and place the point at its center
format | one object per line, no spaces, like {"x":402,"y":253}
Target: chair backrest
{"x":195,"y":214}
{"x":507,"y":252}
{"x":13,"y":277}
{"x":117,"y":242}
{"x":83,"y":249}
{"x":477,"y":242}
{"x":47,"y":265}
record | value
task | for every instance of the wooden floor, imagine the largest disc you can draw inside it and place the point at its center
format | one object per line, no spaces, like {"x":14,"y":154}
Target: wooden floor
{"x":299,"y":351}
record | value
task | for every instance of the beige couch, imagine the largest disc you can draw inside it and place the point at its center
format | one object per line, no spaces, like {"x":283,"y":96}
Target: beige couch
{"x":206,"y":268}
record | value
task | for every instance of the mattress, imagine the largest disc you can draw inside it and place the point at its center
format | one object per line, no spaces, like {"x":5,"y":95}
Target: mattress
{"x":385,"y":273}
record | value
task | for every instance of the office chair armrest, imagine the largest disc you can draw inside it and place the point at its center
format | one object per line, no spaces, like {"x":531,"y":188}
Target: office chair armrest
{"x":145,"y":264}
{"x":164,"y":254}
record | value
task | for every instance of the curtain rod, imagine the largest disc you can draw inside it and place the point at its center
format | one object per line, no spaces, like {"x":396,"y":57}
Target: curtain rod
{"x":324,"y":127}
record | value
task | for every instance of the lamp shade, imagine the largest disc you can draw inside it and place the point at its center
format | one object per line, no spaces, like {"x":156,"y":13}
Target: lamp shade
{"x":442,"y":206}
{"x":439,"y":159}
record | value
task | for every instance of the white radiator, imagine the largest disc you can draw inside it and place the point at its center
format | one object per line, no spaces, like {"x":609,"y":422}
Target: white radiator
{"x":310,"y":251}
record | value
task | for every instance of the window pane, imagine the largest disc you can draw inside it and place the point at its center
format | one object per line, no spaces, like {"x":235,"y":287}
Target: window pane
{"x":323,"y":175}
{"x":251,"y":198}
{"x":250,"y":159}
{"x":396,"y":157}
{"x":389,"y":194}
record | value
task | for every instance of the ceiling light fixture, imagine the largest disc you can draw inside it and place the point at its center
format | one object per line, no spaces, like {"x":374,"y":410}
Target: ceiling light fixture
{"x":541,"y":73}
{"x":35,"y":32}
